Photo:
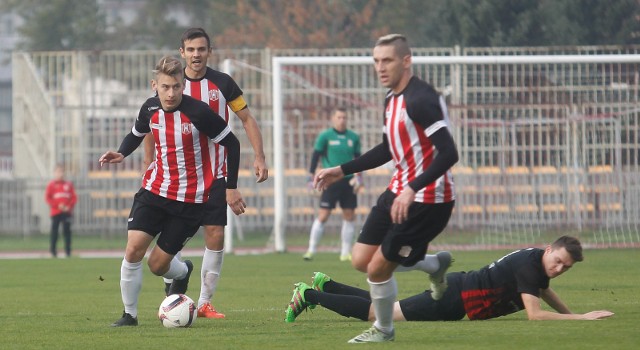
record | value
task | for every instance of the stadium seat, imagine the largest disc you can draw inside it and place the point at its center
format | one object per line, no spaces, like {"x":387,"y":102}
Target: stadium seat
{"x":462,"y":170}
{"x":129,"y":174}
{"x":526,"y":208}
{"x":553,"y":207}
{"x":497,"y":209}
{"x":302,"y":211}
{"x":601,"y":169}
{"x":471,"y":209}
{"x":100,"y":174}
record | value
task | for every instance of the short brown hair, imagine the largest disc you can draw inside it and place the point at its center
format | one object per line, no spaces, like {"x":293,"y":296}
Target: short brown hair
{"x":169,"y":65}
{"x":398,"y":41}
{"x":572,"y":245}
{"x":194,"y":33}
{"x":340,"y":109}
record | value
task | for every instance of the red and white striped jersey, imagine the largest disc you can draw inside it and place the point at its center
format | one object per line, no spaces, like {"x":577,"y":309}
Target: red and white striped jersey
{"x":410,"y":118}
{"x":182,"y":170}
{"x":221,"y":93}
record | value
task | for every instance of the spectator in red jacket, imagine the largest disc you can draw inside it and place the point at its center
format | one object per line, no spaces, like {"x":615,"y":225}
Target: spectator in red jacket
{"x":61,"y":197}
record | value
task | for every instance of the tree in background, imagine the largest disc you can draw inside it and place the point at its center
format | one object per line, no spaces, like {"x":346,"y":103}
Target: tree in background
{"x":59,"y":24}
{"x":69,"y":24}
{"x":296,"y":24}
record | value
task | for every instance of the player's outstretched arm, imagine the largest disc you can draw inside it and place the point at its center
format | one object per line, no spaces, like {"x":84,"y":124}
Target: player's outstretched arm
{"x":128,"y":145}
{"x":552,"y":299}
{"x":535,"y":311}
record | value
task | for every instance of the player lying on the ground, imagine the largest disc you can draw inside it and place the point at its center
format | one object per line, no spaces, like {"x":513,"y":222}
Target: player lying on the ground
{"x":514,"y":282}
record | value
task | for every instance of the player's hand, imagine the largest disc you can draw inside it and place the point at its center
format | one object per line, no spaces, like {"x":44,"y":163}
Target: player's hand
{"x":110,"y":157}
{"x":235,"y":201}
{"x":357,"y":183}
{"x":400,"y":206}
{"x":598,"y":315}
{"x":325,"y":177}
{"x":261,"y":169}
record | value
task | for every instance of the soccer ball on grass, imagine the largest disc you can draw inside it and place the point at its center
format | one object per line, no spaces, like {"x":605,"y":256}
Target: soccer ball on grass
{"x":177,"y":310}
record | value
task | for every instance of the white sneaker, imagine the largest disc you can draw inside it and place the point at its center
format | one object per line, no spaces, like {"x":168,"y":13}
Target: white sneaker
{"x":438,"y":279}
{"x":373,"y":335}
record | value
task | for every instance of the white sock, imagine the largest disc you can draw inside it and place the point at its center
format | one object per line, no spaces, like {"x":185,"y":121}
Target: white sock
{"x":177,"y":269}
{"x":429,"y":264}
{"x":346,"y":234}
{"x":179,"y":257}
{"x":130,"y":285}
{"x":317,"y":229}
{"x":210,"y":274}
{"x":383,"y":296}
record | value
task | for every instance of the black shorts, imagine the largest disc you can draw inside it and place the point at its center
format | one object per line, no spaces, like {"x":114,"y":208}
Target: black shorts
{"x":422,"y":307}
{"x":404,"y":243}
{"x":340,"y":191}
{"x":215,"y":209}
{"x":178,"y":221}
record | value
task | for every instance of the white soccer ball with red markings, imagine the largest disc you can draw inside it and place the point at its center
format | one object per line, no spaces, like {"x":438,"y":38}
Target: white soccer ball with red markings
{"x":177,"y":310}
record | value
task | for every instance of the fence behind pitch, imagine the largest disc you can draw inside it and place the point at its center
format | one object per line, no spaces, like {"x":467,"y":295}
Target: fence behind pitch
{"x":544,"y":147}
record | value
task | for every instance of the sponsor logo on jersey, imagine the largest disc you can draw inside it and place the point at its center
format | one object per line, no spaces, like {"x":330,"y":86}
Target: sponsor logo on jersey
{"x":156,"y":126}
{"x":334,"y":143}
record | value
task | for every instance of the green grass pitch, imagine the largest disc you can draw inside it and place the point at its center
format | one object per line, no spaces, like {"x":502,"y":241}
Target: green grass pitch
{"x":70,"y":303}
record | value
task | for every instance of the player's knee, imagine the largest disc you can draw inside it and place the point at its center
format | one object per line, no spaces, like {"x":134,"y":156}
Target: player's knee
{"x":157,"y":268}
{"x":359,"y":265}
{"x":214,"y":237}
{"x":134,"y":254}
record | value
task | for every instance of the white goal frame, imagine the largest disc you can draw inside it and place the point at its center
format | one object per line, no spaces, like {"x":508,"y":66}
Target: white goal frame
{"x":277,"y":71}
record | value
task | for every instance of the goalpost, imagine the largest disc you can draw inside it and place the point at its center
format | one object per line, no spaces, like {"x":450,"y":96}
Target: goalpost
{"x":560,"y":67}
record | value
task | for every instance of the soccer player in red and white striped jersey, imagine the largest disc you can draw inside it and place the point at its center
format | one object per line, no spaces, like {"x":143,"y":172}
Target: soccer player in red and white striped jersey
{"x":223,"y":95}
{"x":171,"y":201}
{"x":419,"y":200}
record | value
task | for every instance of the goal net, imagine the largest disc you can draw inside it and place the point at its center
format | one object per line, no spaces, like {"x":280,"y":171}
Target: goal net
{"x":548,"y":144}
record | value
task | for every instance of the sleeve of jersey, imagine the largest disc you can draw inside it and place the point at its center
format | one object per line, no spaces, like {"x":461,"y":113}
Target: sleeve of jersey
{"x":232,"y":93}
{"x":314,"y":161}
{"x":373,"y":158}
{"x":139,"y":129}
{"x":209,"y":123}
{"x":527,"y":281}
{"x":232,"y":146}
{"x":212,"y":125}
{"x":238,"y":104}
{"x":129,"y":144}
{"x":141,"y":126}
{"x":429,"y":114}
{"x":321,"y":143}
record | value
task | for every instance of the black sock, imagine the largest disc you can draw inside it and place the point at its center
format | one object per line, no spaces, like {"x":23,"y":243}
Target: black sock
{"x":334,"y":287}
{"x":345,"y":305}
